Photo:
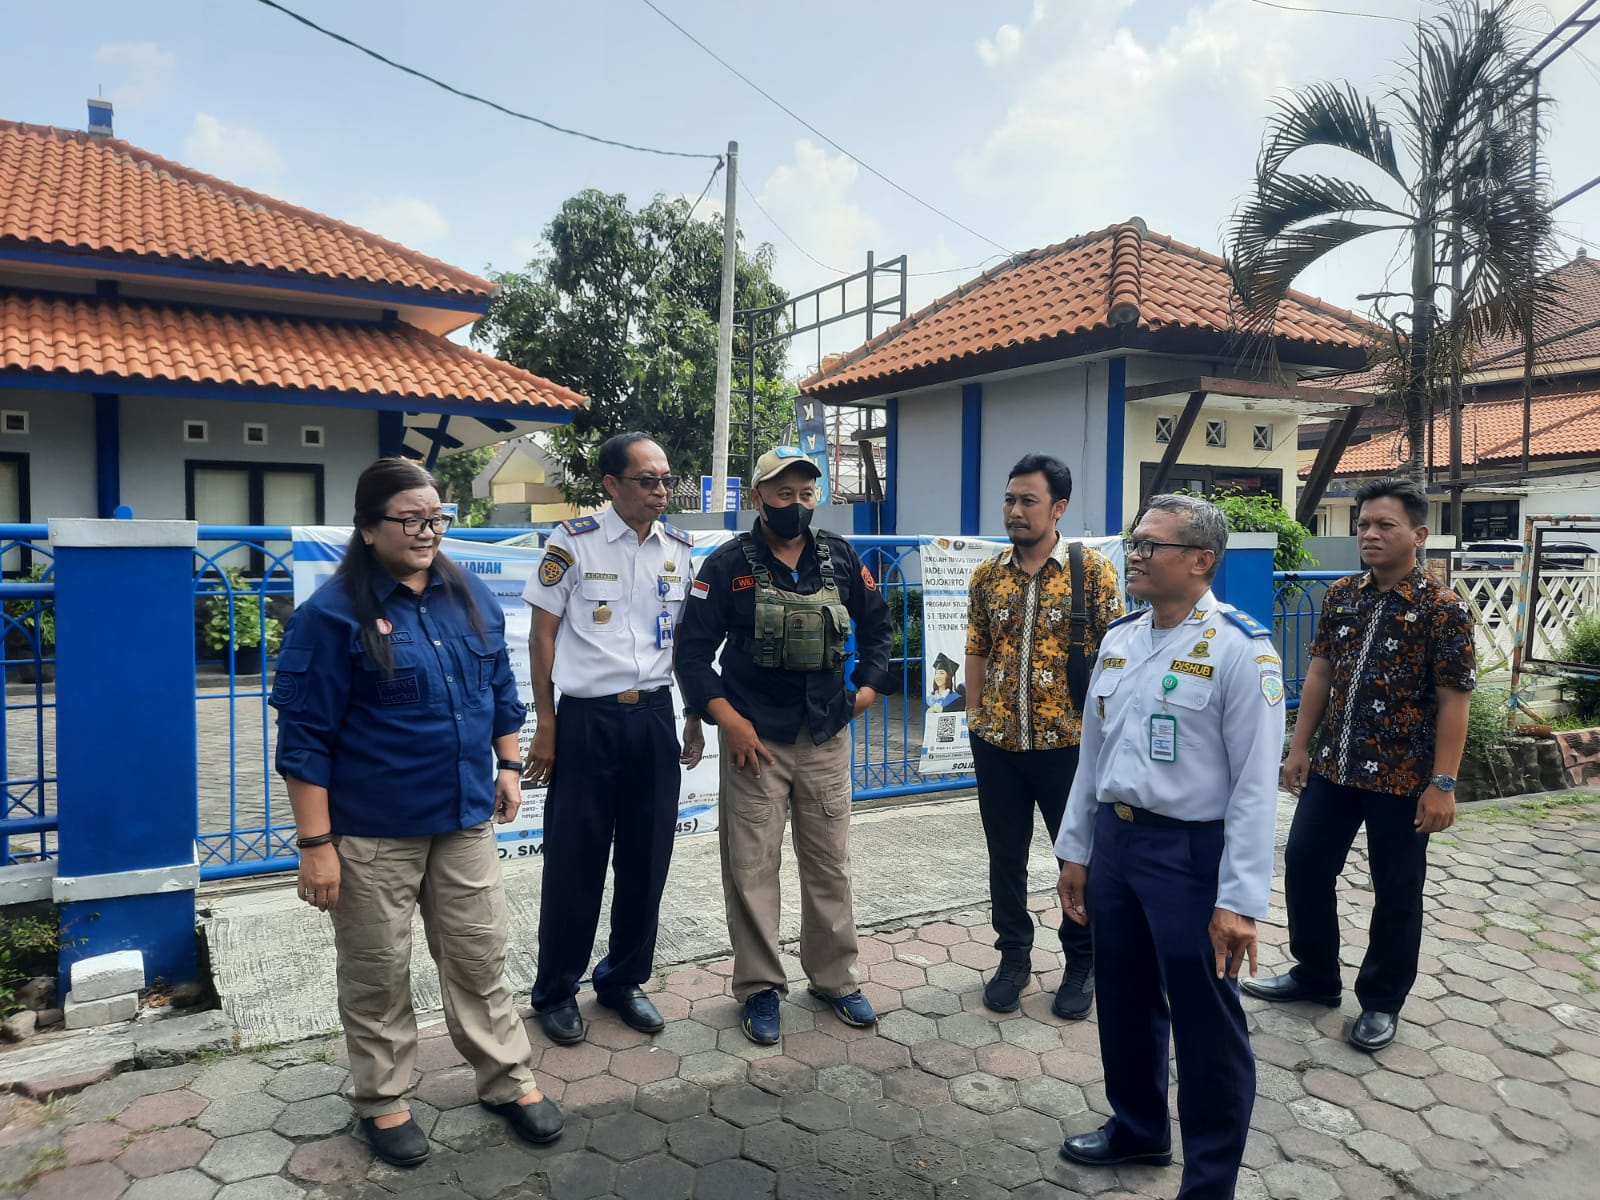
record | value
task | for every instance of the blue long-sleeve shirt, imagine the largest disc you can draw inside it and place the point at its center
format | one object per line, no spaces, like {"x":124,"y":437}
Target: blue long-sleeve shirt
{"x":402,"y":755}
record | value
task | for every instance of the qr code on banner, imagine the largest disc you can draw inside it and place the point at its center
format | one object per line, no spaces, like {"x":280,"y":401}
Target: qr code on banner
{"x":948,"y":724}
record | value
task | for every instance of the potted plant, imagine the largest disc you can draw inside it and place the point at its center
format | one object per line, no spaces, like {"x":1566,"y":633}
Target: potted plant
{"x":252,"y":638}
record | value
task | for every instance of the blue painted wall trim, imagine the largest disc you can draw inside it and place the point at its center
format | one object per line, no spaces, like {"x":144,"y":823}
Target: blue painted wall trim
{"x":891,"y":466}
{"x":375,"y":294}
{"x":107,"y":453}
{"x":391,"y":434}
{"x":1116,"y":414}
{"x":971,"y":457}
{"x":278,"y":395}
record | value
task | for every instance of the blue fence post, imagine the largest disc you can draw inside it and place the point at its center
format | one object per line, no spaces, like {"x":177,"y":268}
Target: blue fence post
{"x":1244,"y":579}
{"x":126,"y":742}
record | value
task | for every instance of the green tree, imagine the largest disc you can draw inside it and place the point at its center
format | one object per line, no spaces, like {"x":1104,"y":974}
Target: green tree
{"x":456,"y":472}
{"x":1468,"y":187}
{"x":622,"y":307}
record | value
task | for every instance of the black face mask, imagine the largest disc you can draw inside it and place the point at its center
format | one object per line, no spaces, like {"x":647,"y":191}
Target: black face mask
{"x":787,"y":522}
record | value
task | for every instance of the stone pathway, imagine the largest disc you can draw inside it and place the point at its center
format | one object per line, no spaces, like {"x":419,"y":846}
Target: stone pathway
{"x":1496,"y":1071}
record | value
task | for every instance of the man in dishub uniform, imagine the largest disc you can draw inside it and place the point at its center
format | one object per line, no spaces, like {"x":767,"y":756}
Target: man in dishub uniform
{"x":607,"y":599}
{"x":779,"y":600}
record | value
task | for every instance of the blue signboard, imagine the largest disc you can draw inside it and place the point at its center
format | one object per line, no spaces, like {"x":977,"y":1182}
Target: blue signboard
{"x":731,"y":500}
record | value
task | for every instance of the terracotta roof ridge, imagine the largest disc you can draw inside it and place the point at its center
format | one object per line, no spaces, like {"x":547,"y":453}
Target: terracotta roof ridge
{"x":1127,"y":272}
{"x":466,"y":280}
{"x":1020,"y":259}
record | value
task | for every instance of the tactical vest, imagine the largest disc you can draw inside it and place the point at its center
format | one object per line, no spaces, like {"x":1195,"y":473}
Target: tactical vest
{"x":794,"y":631}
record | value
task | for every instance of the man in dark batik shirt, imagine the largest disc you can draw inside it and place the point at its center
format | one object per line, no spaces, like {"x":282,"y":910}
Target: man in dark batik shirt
{"x":1386,"y":697}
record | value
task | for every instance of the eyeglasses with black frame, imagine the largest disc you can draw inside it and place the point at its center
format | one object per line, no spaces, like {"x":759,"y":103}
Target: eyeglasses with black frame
{"x":649,"y":483}
{"x":412,"y":526}
{"x":1143,"y":548}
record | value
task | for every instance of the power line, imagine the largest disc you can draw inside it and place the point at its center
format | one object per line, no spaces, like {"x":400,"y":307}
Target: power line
{"x":787,"y":236}
{"x":771,"y":99}
{"x":682,"y":229}
{"x":1331,"y":12}
{"x":455,"y":91}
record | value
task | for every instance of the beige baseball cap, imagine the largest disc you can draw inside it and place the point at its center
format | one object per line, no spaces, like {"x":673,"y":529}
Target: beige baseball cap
{"x":778,"y":460}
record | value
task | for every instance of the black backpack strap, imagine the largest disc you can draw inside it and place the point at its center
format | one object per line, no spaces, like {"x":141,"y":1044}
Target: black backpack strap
{"x":1077,"y":660}
{"x":757,"y":567}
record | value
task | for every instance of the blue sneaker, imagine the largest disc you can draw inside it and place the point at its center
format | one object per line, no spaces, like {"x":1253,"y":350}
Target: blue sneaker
{"x":853,"y":1009}
{"x":760,"y":1022}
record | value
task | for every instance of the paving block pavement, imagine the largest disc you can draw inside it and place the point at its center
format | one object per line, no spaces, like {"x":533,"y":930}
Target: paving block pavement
{"x":1492,"y":1089}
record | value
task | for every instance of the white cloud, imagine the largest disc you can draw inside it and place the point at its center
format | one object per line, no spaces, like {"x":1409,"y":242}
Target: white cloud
{"x":404,"y":219}
{"x":809,"y":196}
{"x":235,"y":152}
{"x":1004,"y":47}
{"x":145,"y":70}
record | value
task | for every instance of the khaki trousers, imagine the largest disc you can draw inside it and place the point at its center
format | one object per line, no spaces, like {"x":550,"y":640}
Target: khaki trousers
{"x":455,"y":878}
{"x":811,"y":784}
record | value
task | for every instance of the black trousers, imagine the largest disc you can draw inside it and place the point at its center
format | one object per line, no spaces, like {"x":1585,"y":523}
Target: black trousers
{"x":1325,"y":824}
{"x":1150,"y":896}
{"x":1011,"y":785}
{"x":616,"y":782}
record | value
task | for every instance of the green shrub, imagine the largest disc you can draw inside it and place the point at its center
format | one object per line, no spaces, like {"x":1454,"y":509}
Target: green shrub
{"x":1263,"y":514}
{"x":1583,"y":647}
{"x":28,"y":947}
{"x":28,"y":613}
{"x":1486,"y":722}
{"x":247,"y":625}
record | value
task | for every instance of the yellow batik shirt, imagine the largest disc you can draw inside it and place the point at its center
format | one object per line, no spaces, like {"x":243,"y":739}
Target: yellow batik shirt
{"x":1022,"y":624}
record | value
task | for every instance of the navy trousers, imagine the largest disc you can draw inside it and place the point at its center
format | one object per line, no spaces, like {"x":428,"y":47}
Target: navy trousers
{"x":615,"y":783}
{"x":1150,"y":897}
{"x":1011,"y":785}
{"x":1325,"y":823}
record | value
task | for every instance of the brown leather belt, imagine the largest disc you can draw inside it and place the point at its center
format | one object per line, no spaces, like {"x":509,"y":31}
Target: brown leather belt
{"x":631,"y":696}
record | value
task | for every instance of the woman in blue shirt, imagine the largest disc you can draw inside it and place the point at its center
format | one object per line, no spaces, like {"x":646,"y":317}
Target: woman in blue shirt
{"x":394,"y":691}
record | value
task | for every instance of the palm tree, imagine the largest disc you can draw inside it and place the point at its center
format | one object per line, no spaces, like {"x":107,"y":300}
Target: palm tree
{"x":1470,"y":190}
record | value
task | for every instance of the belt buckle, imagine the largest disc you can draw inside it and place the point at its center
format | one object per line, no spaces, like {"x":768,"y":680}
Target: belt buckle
{"x":1122,"y":811}
{"x":631,"y":696}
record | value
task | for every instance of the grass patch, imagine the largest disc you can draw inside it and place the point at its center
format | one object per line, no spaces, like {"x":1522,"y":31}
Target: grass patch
{"x":1530,"y":813}
{"x":44,"y":1160}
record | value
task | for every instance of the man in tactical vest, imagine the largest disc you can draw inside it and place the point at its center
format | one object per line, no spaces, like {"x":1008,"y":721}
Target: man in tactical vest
{"x":779,"y":600}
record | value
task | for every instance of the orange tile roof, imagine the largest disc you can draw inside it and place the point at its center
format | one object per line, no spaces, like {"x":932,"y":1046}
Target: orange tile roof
{"x":1119,"y":276}
{"x":131,"y":340}
{"x":1562,"y":427}
{"x":64,"y":190}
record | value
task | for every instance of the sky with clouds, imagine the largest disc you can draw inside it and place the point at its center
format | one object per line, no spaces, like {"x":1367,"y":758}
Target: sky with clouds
{"x":1026,"y":121}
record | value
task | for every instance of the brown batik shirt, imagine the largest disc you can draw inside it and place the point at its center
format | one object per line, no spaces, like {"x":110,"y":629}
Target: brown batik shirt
{"x":1389,"y":652}
{"x":1022,"y":624}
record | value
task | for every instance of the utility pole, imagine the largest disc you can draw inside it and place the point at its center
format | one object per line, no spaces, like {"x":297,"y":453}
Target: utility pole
{"x":719,"y":433}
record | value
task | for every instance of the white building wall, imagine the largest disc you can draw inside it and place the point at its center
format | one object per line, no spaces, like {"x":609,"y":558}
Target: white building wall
{"x":1048,"y":412}
{"x":60,"y":449}
{"x":928,"y":462}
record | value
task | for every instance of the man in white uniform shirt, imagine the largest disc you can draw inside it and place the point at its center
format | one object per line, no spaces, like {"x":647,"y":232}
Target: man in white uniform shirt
{"x":1175,"y":803}
{"x":607,"y":598}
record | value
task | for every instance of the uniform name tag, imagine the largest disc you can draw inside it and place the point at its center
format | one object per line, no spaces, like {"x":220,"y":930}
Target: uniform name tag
{"x":1163,"y":737}
{"x":1113,"y":664}
{"x":609,"y":576}
{"x":1198,"y":670}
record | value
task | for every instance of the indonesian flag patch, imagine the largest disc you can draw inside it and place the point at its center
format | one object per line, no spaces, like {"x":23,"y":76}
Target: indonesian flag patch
{"x":700,"y":589}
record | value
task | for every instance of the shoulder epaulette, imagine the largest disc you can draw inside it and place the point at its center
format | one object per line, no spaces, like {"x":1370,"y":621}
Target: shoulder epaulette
{"x":1248,"y":623}
{"x":677,"y":535}
{"x":580,"y":525}
{"x":1126,"y":617}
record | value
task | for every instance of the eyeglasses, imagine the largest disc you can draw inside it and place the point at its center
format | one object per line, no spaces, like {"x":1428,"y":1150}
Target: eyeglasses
{"x":415,"y":525}
{"x":1143,"y":548}
{"x":649,"y":483}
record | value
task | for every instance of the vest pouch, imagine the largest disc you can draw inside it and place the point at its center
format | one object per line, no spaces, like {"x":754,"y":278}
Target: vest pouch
{"x":839,"y":634}
{"x":805,"y":639}
{"x":767,"y":644}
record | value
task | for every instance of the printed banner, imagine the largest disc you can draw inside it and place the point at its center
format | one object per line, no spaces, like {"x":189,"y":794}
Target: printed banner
{"x":506,"y":568}
{"x":947,"y":566}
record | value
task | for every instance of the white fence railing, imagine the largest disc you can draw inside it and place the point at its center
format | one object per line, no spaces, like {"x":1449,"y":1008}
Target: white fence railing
{"x":1491,"y":595}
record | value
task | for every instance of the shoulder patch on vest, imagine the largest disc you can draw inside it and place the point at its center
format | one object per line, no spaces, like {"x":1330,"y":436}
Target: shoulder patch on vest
{"x":1248,"y":623}
{"x":677,"y":535}
{"x":866,"y":578}
{"x":1126,"y":617}
{"x":578,"y":525}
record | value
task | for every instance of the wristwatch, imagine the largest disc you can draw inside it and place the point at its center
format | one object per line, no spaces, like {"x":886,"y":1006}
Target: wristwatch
{"x":508,"y":764}
{"x":1445,"y":783}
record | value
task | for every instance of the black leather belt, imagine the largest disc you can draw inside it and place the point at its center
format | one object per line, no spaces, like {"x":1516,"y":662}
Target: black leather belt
{"x":1143,"y":816}
{"x":631,"y":696}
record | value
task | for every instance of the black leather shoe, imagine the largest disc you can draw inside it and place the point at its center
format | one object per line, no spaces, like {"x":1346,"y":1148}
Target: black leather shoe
{"x":400,"y":1145}
{"x":1374,"y":1030}
{"x":1003,"y":992}
{"x":1283,"y":988}
{"x":634,"y":1007}
{"x":538,"y":1123}
{"x":1095,"y":1150}
{"x":562,"y":1024}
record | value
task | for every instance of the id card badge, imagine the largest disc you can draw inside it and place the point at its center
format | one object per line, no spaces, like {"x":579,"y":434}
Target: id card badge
{"x":663,"y":631}
{"x":1163,"y":737}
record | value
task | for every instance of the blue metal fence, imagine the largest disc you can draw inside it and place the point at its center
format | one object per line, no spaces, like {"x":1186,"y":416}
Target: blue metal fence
{"x":1297,"y":605}
{"x":27,"y":665}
